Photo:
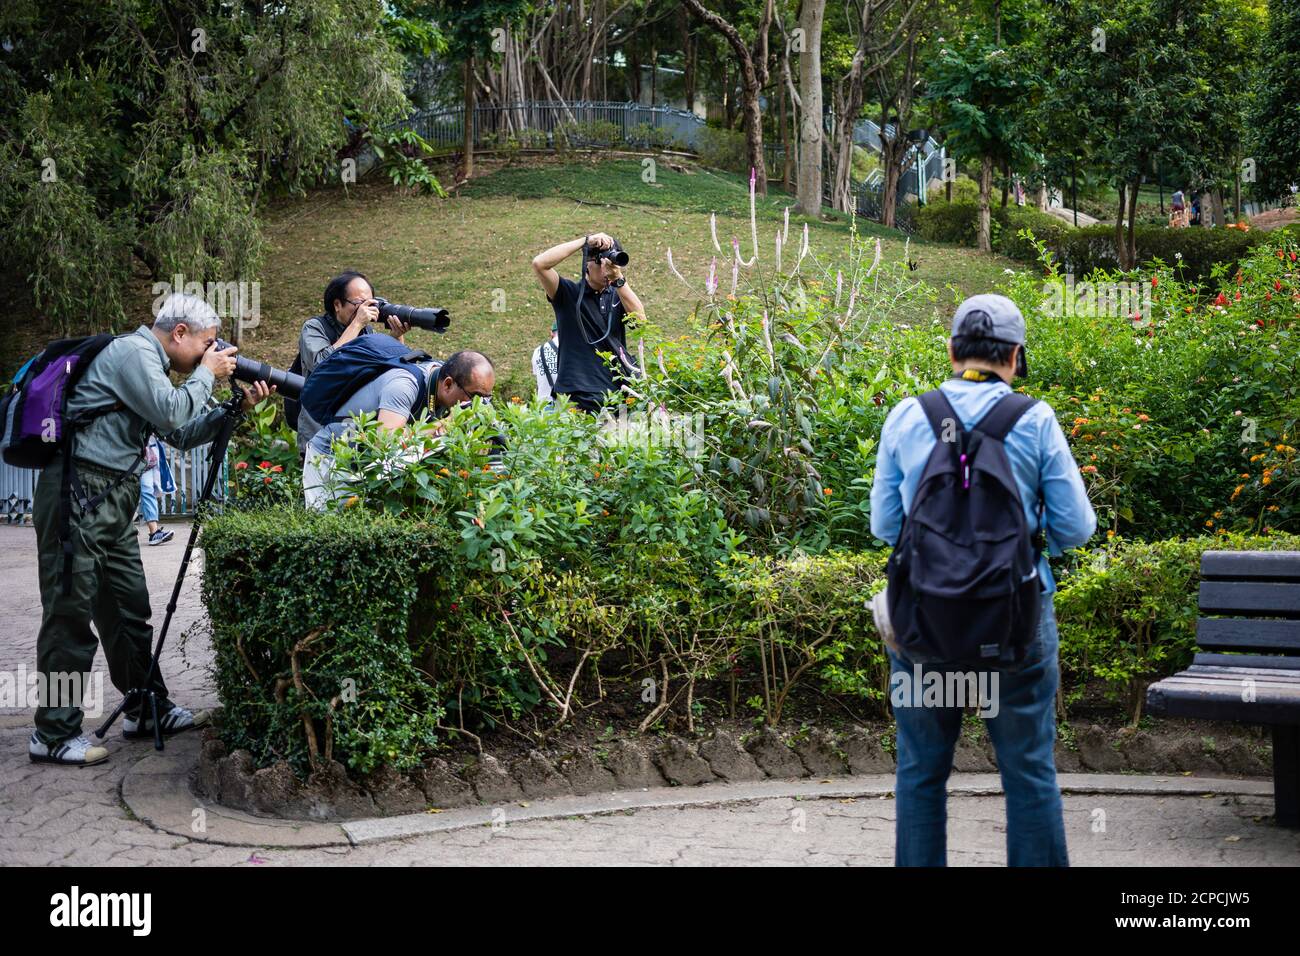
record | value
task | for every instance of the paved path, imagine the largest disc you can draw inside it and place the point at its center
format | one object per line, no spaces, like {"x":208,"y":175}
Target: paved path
{"x":76,"y":816}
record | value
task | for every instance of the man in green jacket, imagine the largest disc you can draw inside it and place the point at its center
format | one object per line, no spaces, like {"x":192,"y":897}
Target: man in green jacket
{"x":107,"y":581}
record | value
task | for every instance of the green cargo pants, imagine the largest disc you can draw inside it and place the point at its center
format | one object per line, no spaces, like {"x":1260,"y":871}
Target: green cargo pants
{"x":108,"y":588}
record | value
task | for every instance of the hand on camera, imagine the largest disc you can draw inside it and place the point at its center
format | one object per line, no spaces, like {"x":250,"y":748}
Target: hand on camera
{"x":258,"y":393}
{"x":366,"y":313}
{"x":599,"y":240}
{"x":397,"y":326}
{"x":221,"y":363}
{"x":610,"y":271}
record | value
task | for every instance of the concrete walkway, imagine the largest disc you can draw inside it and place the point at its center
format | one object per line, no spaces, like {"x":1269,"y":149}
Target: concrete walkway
{"x":52,"y":815}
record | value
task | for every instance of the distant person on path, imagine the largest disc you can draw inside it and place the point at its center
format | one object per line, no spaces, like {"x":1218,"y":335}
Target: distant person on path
{"x":546,"y":363}
{"x":1012,"y":441}
{"x":151,"y":492}
{"x":1178,"y":203}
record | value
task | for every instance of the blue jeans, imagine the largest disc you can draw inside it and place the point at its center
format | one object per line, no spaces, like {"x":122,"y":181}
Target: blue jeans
{"x":1023,"y":732}
{"x":149,"y":495}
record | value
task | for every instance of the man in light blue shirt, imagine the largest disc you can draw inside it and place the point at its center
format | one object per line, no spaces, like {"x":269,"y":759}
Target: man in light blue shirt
{"x":987,"y":352}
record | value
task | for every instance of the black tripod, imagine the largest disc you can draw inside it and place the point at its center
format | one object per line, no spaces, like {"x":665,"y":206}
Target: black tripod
{"x":234,"y":411}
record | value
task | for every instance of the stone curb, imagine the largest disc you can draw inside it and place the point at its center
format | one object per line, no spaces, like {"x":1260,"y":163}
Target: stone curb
{"x":157,"y":791}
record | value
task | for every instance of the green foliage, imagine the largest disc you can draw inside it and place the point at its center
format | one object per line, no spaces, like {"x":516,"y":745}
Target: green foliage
{"x":401,"y":155}
{"x":310,"y":624}
{"x":164,"y":127}
{"x":587,"y":134}
{"x":723,"y":149}
{"x":1275,"y":120}
{"x":1195,"y":251}
{"x":1127,"y":614}
{"x":263,"y":461}
{"x":1172,"y":395}
{"x":958,"y":222}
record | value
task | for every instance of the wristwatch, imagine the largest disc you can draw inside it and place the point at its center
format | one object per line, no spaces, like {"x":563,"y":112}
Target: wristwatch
{"x":619,"y":282}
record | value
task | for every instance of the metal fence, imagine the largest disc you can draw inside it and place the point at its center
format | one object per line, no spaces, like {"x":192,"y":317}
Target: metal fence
{"x":548,"y":124}
{"x":537,"y":123}
{"x":189,"y":470}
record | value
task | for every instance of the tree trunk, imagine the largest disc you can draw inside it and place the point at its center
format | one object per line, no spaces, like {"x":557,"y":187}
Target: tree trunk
{"x":467,"y":147}
{"x":785,"y":142}
{"x":1121,"y":244}
{"x":1207,"y":218}
{"x":634,"y":78}
{"x":654,"y":74}
{"x":1220,"y":217}
{"x":1131,"y":254}
{"x":986,"y":191}
{"x":810,"y":93}
{"x":753,"y":67}
{"x":688,"y":76}
{"x":1006,"y":181}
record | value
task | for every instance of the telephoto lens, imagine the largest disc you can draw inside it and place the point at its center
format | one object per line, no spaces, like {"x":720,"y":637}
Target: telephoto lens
{"x":617,"y":256}
{"x":246,"y":370}
{"x":434,"y":320}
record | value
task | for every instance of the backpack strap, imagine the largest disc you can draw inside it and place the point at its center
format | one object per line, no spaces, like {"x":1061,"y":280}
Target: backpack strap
{"x":1002,"y":417}
{"x":546,"y":368}
{"x":997,"y":423}
{"x":938,"y":410}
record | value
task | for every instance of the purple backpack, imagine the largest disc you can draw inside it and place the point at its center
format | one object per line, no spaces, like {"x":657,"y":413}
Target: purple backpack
{"x":34,"y":419}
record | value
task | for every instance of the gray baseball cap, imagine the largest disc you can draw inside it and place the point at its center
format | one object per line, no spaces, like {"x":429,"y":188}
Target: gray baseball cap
{"x":993,"y":317}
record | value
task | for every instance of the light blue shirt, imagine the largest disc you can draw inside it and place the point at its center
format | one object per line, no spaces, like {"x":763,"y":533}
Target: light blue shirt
{"x":1036,"y":447}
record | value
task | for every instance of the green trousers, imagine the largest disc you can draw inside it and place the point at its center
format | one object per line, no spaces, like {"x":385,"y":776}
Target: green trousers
{"x":108,"y":588}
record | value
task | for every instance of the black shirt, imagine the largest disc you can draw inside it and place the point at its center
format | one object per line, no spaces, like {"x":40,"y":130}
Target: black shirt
{"x":581,"y":370}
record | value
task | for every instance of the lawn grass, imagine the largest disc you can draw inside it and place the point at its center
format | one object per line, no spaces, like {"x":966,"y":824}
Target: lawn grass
{"x":473,"y":251}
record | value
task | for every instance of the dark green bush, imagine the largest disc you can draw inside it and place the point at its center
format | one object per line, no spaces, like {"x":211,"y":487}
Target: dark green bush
{"x":1192,"y":253}
{"x":315,"y":637}
{"x":957,"y":222}
{"x":1127,"y":614}
{"x":723,"y":149}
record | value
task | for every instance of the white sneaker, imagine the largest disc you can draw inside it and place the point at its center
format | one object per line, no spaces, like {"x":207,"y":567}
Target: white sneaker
{"x":73,"y":752}
{"x":173,"y":722}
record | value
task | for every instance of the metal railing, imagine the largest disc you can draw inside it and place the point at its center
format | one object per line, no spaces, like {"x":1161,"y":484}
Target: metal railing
{"x":551,"y":124}
{"x":189,"y":470}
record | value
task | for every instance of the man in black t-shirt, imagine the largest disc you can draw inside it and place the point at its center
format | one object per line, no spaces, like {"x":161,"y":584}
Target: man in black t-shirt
{"x":590,"y":314}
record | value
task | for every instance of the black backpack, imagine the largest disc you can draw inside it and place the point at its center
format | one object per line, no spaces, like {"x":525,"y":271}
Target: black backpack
{"x":964,"y":588}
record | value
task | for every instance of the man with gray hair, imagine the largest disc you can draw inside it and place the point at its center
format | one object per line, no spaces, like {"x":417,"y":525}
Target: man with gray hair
{"x":123,"y":398}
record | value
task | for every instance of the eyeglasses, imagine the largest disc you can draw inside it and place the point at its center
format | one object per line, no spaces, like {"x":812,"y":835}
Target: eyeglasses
{"x":487,"y":397}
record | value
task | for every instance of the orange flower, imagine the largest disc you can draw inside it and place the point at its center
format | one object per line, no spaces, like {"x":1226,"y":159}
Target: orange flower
{"x":1089,"y":469}
{"x":240,"y":466}
{"x":826,"y":491}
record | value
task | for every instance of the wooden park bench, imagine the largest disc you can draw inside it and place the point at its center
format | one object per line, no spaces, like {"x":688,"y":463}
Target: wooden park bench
{"x":1248,"y":666}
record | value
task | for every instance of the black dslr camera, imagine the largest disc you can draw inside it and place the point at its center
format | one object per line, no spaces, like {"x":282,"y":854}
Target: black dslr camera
{"x":615,"y":255}
{"x":434,"y":320}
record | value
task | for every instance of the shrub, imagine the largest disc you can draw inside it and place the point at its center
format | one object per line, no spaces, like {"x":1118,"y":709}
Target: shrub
{"x":1127,"y":614}
{"x":311,"y":615}
{"x":723,"y":149}
{"x":1194,"y":251}
{"x":957,"y":222}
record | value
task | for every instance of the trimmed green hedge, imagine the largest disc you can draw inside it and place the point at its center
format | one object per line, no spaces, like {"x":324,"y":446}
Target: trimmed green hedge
{"x":1192,"y":252}
{"x":355,"y":637}
{"x":957,"y":222}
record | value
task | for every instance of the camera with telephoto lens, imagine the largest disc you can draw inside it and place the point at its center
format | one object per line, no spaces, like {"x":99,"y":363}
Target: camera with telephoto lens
{"x":434,"y":320}
{"x":247,"y":370}
{"x":615,"y":255}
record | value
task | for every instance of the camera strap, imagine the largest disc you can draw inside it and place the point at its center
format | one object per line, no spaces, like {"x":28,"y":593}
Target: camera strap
{"x":582,"y":321}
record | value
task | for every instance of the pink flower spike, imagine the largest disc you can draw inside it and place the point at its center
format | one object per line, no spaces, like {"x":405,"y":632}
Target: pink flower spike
{"x":711,"y":286}
{"x":778,"y":252}
{"x":785,"y":230}
{"x":713,"y":231}
{"x":839,"y":285}
{"x":735,"y":274}
{"x":753,"y":177}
